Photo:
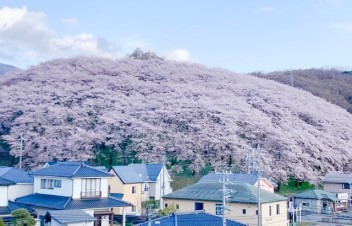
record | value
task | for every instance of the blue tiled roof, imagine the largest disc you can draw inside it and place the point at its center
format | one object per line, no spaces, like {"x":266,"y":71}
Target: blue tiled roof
{"x":70,"y":169}
{"x":141,"y":169}
{"x":96,"y":203}
{"x":70,"y":216}
{"x":153,"y":170}
{"x":47,"y":201}
{"x":4,"y":182}
{"x":62,"y":202}
{"x":116,"y":195}
{"x":14,"y":175}
{"x":127,"y":174}
{"x":6,"y":210}
{"x":197,"y":218}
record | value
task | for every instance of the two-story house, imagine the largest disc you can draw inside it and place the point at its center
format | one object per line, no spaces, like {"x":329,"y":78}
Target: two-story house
{"x":252,"y":179}
{"x":139,"y":183}
{"x":14,"y":183}
{"x":241,"y":202}
{"x":341,"y":185}
{"x":72,"y":185}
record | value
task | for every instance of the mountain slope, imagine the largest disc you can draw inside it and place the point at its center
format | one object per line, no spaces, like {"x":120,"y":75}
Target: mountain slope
{"x":4,"y":68}
{"x":67,"y":107}
{"x":332,"y":85}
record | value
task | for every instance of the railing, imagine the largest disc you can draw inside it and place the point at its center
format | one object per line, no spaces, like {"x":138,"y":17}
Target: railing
{"x":90,"y":194}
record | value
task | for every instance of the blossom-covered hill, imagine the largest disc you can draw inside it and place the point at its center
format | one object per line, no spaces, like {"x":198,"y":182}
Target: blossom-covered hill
{"x":66,"y":107}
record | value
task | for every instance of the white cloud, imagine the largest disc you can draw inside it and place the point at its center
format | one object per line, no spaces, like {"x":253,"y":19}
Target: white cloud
{"x":265,"y":9}
{"x":26,"y":37}
{"x":344,"y":27}
{"x":179,"y":55}
{"x":71,"y":22}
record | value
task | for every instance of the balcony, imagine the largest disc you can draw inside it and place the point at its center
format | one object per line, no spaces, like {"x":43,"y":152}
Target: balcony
{"x":91,"y":195}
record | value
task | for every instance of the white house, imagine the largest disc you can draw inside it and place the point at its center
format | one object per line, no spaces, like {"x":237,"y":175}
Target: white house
{"x":14,"y":183}
{"x":72,"y":185}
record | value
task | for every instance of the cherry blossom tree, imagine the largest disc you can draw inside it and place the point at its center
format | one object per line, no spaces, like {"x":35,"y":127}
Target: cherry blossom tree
{"x":67,"y":107}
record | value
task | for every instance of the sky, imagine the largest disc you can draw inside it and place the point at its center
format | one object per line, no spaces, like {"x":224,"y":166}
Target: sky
{"x":242,"y":36}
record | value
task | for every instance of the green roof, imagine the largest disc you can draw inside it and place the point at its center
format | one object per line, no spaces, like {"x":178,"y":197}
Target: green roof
{"x":316,"y":194}
{"x":211,"y":191}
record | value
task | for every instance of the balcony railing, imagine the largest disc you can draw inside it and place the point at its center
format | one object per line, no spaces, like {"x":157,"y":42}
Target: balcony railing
{"x":90,"y":194}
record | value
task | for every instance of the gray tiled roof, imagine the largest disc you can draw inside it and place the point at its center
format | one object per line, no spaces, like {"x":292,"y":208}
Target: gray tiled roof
{"x":14,"y":175}
{"x":70,"y":169}
{"x":62,"y":202}
{"x":71,"y":216}
{"x":338,"y":178}
{"x":211,"y":191}
{"x":127,"y":174}
{"x":316,"y":194}
{"x":247,"y":178}
{"x":196,"y":218}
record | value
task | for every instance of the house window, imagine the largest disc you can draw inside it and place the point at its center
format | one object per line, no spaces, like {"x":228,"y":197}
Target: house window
{"x":166,"y":205}
{"x":57,"y":183}
{"x":133,"y":208}
{"x":277,"y":209}
{"x":177,"y":206}
{"x":145,"y":188}
{"x":244,"y":211}
{"x":46,"y":184}
{"x":256,"y":212}
{"x":269,"y":210}
{"x":50,"y":183}
{"x":305,"y":204}
{"x":346,"y":186}
{"x":91,"y":188}
{"x":199,"y":206}
{"x":134,"y":190}
{"x":219,"y":210}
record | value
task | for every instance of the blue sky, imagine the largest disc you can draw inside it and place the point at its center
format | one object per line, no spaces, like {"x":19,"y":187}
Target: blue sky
{"x":242,"y":36}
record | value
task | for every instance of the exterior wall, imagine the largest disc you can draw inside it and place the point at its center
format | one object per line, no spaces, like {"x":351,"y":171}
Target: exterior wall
{"x":65,"y":190}
{"x":76,"y":188}
{"x":136,"y":199}
{"x":3,"y":196}
{"x":265,"y":185}
{"x":163,"y":179}
{"x":104,"y":187}
{"x":236,"y":211}
{"x":314,"y":205}
{"x":337,"y":188}
{"x":19,"y":190}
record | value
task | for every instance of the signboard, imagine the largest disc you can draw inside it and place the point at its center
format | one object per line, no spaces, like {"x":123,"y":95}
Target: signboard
{"x":342,"y":196}
{"x":219,"y":209}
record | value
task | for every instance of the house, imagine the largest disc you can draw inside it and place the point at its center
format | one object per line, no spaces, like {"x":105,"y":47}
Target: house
{"x":318,"y":201}
{"x":241,"y":204}
{"x":339,"y":184}
{"x":196,"y":218}
{"x":126,"y":182}
{"x":252,"y":179}
{"x":139,"y":183}
{"x":68,"y":218}
{"x":14,"y":183}
{"x":72,"y":186}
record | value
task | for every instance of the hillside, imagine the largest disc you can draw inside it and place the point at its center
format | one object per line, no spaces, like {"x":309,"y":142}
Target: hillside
{"x":4,"y":68}
{"x":67,"y":108}
{"x":332,"y":85}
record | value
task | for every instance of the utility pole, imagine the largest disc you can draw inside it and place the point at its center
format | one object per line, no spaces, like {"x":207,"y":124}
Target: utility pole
{"x":225,"y":195}
{"x":291,"y":78}
{"x":21,"y":149}
{"x":162,"y":183}
{"x":258,"y":174}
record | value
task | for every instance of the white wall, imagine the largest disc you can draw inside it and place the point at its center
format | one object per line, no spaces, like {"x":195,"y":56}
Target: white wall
{"x":65,"y":190}
{"x":77,"y":188}
{"x":3,"y":196}
{"x":19,"y":190}
{"x":104,"y":187}
{"x":158,"y":191}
